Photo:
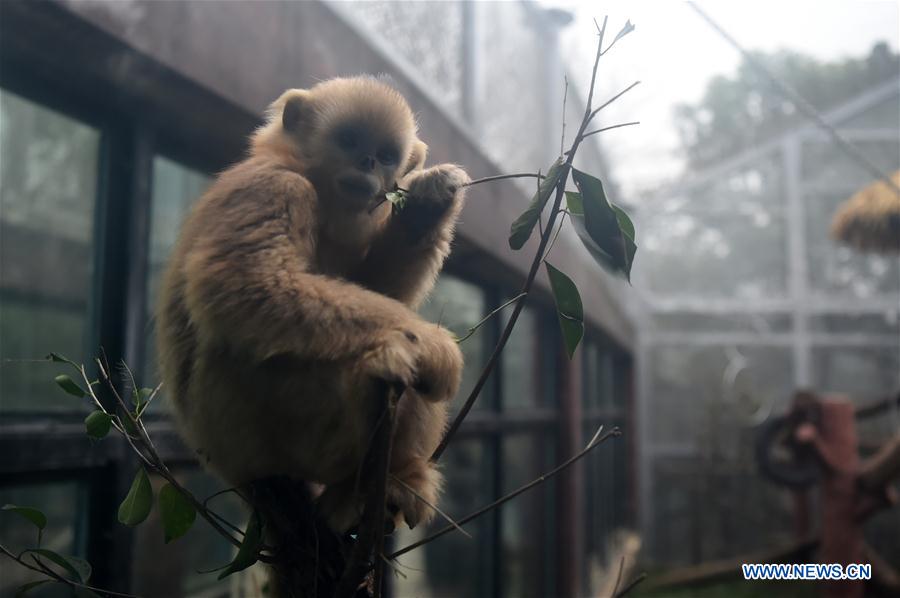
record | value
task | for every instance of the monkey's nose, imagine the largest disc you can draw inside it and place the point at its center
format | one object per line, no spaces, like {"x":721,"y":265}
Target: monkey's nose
{"x":367,"y":164}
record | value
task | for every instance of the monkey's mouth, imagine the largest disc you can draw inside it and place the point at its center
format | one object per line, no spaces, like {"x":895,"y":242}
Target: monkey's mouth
{"x":357,"y":186}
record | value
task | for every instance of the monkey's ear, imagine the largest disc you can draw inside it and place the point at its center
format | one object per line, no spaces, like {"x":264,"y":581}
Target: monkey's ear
{"x":416,"y":158}
{"x":297,"y":110}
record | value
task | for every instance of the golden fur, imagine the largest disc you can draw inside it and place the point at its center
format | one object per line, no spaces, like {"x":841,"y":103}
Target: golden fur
{"x":290,"y":293}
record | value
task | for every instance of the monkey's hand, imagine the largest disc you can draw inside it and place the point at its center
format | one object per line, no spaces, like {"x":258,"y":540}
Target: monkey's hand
{"x":432,"y":195}
{"x":421,"y":356}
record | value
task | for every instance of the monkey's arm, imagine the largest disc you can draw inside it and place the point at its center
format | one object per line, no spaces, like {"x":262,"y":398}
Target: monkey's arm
{"x":247,"y":279}
{"x":406,"y":259}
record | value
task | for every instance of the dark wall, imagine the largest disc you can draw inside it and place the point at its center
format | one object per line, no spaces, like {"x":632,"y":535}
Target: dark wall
{"x":208,"y":69}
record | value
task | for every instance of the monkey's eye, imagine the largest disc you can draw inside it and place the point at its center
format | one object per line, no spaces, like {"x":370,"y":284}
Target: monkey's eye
{"x":388,"y":156}
{"x":348,"y":139}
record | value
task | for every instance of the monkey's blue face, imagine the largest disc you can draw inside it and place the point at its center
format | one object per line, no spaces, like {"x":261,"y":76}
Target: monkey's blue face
{"x":366,"y":160}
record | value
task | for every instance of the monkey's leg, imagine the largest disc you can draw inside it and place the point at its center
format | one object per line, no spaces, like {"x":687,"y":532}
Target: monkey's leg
{"x":415,"y":481}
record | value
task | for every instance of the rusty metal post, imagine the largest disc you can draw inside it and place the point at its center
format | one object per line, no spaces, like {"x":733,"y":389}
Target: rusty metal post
{"x":842,"y":539}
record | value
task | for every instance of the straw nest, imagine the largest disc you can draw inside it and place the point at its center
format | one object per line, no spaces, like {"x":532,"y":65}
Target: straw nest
{"x":870,"y":220}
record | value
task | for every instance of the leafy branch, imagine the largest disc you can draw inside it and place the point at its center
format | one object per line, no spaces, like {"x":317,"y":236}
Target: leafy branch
{"x":178,"y":507}
{"x":606,"y":236}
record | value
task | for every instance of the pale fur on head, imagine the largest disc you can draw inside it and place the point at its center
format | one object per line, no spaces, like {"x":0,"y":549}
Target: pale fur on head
{"x":364,"y":98}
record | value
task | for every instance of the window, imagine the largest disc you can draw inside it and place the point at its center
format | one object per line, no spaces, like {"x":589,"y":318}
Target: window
{"x":48,"y":189}
{"x":606,"y":390}
{"x":175,"y":188}
{"x":459,"y":305}
{"x":184,"y":559}
{"x":507,"y":441}
{"x":64,"y":503}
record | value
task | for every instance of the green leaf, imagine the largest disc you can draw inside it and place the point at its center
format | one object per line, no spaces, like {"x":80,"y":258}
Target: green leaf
{"x":606,"y":230}
{"x":397,"y":198}
{"x":78,"y":568}
{"x":574,"y":203}
{"x":246,"y":555}
{"x":57,"y":358}
{"x":24,"y":589}
{"x":97,"y":424}
{"x":137,"y":504}
{"x":521,"y":229}
{"x":140,"y":398}
{"x":176,"y":511}
{"x":568,"y":308}
{"x":625,"y":223}
{"x":33,"y":515}
{"x":68,"y":385}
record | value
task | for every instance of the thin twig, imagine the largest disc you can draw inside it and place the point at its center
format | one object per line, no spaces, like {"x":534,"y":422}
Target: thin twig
{"x":494,"y":312}
{"x":562,"y":221}
{"x":618,"y":577}
{"x":370,"y":539}
{"x":620,"y":125}
{"x":631,"y":585}
{"x":594,"y":437}
{"x":500,"y":177}
{"x":537,"y":191}
{"x":612,"y":99}
{"x":433,"y":506}
{"x":562,"y":136}
{"x":508,"y":497}
{"x":43,"y":569}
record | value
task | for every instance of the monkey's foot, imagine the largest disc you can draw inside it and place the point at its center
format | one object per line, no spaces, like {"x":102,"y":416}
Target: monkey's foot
{"x":412,"y":491}
{"x":340,"y":506}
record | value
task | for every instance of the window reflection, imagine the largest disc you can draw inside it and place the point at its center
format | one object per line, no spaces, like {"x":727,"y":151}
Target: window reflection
{"x":459,"y":305}
{"x":176,"y":569}
{"x":527,"y":521}
{"x":65,"y":505}
{"x":454,"y":565}
{"x":48,"y":187}
{"x":175,"y":188}
{"x":521,"y":361}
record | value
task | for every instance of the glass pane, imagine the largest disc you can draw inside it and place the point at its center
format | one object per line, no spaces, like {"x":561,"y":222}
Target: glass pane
{"x":731,"y":237}
{"x":174,"y":569}
{"x":826,"y":165}
{"x":599,"y":377}
{"x":459,"y":305}
{"x":65,"y":505}
{"x":730,"y":322}
{"x":454,"y":565}
{"x":708,"y":396}
{"x":521,"y":362}
{"x":886,"y":324}
{"x":606,"y":487}
{"x":175,"y":188}
{"x":715,"y":510}
{"x":527,"y":530}
{"x":865,"y":373}
{"x":623,"y":385}
{"x":48,"y":188}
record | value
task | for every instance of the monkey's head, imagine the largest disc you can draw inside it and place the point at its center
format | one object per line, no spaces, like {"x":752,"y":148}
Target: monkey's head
{"x":352,"y":137}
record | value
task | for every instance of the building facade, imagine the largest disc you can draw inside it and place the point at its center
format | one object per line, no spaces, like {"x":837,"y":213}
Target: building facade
{"x":113,"y":118}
